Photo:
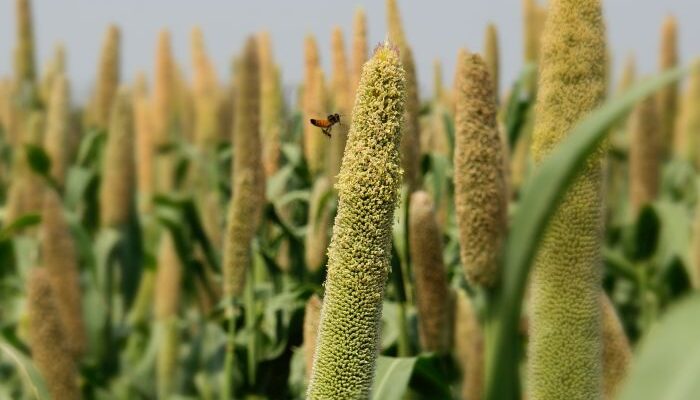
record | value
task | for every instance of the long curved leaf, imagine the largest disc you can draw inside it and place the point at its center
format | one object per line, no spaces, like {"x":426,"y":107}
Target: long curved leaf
{"x":667,"y":364}
{"x":539,"y":201}
{"x":392,"y":377}
{"x":31,"y":378}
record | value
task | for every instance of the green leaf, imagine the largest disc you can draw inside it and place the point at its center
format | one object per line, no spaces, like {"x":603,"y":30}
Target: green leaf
{"x":38,"y":160}
{"x":31,"y":378}
{"x":432,"y":375}
{"x":18,"y":224}
{"x":518,"y":105}
{"x":78,"y":181}
{"x":540,"y":200}
{"x":91,"y":147}
{"x":449,"y":123}
{"x":106,"y":245}
{"x":392,"y":377}
{"x":667,"y":364}
{"x":645,"y":234}
{"x":289,"y":197}
{"x":674,"y":238}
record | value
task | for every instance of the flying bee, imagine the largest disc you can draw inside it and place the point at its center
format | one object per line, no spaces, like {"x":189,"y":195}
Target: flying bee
{"x":326,"y":124}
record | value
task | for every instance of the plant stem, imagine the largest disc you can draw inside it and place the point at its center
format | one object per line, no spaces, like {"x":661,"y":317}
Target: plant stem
{"x":226,"y":390}
{"x":647,"y":298}
{"x":250,"y":313}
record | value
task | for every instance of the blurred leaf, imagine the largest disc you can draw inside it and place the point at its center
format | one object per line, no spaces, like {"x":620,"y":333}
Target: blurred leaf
{"x":392,"y":377}
{"x":294,"y":195}
{"x":539,"y":200}
{"x":432,"y":375}
{"x":645,"y":234}
{"x":618,"y":264}
{"x":679,"y":182}
{"x":297,"y":374}
{"x":38,"y":160}
{"x":674,"y":239}
{"x":106,"y":245}
{"x":277,"y":183}
{"x":26,"y":250}
{"x":390,"y":328}
{"x":90,"y":148}
{"x":78,"y":182}
{"x":18,"y":224}
{"x":518,"y":105}
{"x":31,"y":378}
{"x":667,"y":363}
{"x":449,"y":123}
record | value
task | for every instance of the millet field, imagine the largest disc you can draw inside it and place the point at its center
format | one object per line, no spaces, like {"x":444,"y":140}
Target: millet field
{"x":196,"y":236}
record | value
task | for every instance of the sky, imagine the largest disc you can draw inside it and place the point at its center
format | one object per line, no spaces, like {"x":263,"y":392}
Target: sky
{"x":436,"y":29}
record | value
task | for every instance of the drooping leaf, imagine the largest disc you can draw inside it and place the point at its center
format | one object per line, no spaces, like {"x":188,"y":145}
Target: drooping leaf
{"x":667,"y":363}
{"x":25,"y":221}
{"x":392,"y":377}
{"x":31,"y":378}
{"x":518,"y":105}
{"x":38,"y":160}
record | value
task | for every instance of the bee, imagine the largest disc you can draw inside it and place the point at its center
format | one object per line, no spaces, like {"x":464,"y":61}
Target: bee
{"x":326,"y":124}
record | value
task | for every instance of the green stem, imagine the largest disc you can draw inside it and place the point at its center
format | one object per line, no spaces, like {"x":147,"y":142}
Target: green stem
{"x":226,"y":390}
{"x":250,"y":312}
{"x":404,"y":342}
{"x":647,"y":298}
{"x":397,"y":280}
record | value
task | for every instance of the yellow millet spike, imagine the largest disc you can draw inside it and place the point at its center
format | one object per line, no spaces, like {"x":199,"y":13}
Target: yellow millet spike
{"x":531,"y":31}
{"x":58,"y":129}
{"x":469,"y":347}
{"x":48,"y":340}
{"x":168,"y":279}
{"x":433,"y":295}
{"x":480,"y":178}
{"x":163,"y":110}
{"x":168,"y":284}
{"x":145,"y":152}
{"x":245,"y":209}
{"x":688,"y":122}
{"x":319,"y":221}
{"x":617,"y":354}
{"x":107,"y":78}
{"x":118,"y":175}
{"x":410,"y":140}
{"x":629,"y":74}
{"x":359,"y":50}
{"x":341,"y":100}
{"x":644,"y":155}
{"x":163,"y":90}
{"x":395,"y":26}
{"x":25,"y":64}
{"x":492,"y":57}
{"x":438,"y":88}
{"x":667,"y":98}
{"x":358,"y":266}
{"x":52,"y":70}
{"x":312,"y":314}
{"x":59,"y":257}
{"x":206,"y":98}
{"x":271,"y":106}
{"x":314,"y":106}
{"x":565,"y":349}
{"x":26,"y":188}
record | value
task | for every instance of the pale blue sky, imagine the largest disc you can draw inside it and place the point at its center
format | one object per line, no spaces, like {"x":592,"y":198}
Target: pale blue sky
{"x":435,"y":28}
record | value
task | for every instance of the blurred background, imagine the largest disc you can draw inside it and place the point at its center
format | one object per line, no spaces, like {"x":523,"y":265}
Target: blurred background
{"x":435,"y":29}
